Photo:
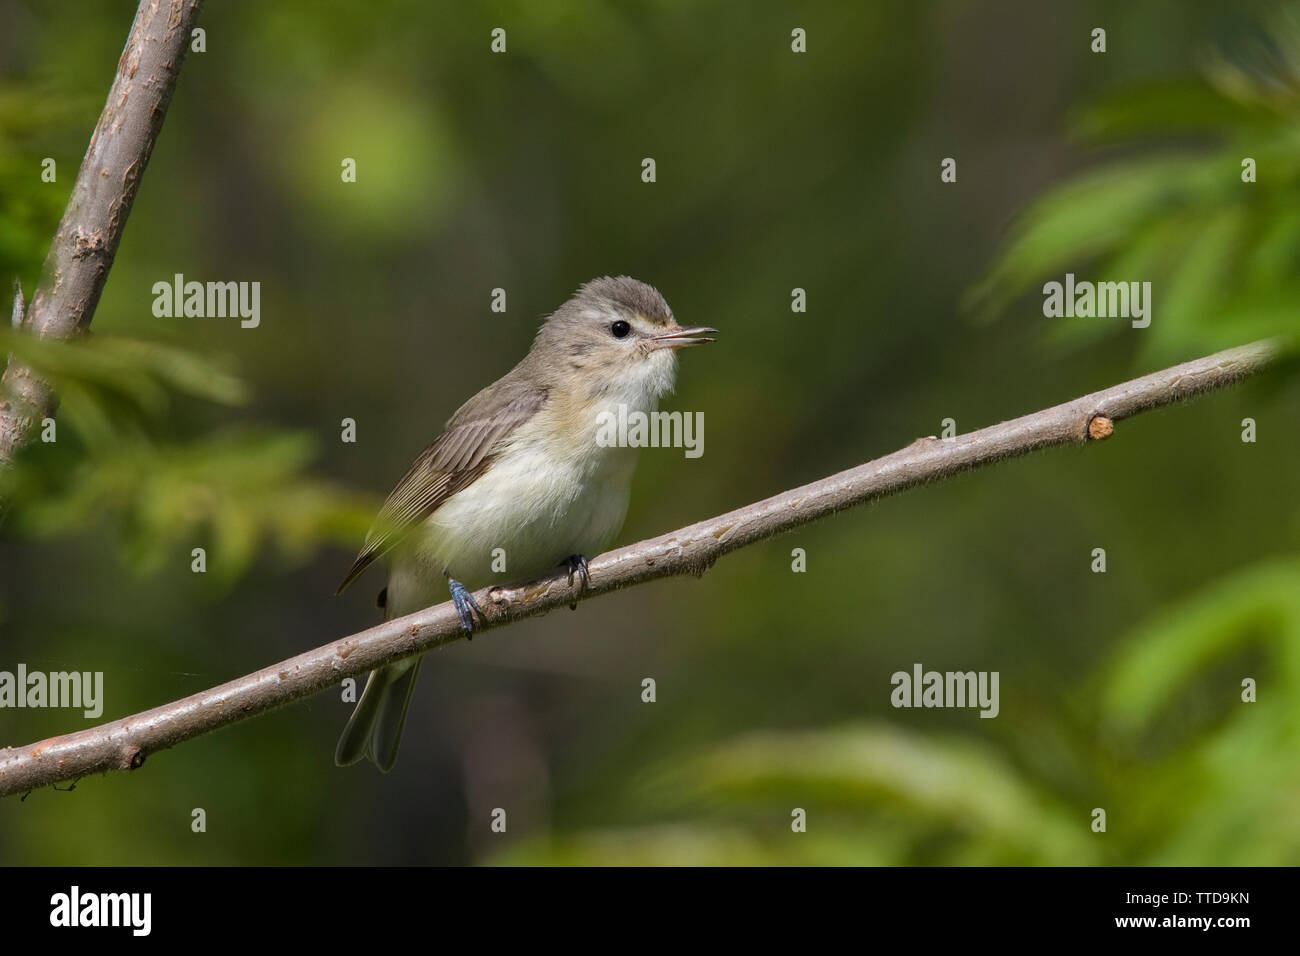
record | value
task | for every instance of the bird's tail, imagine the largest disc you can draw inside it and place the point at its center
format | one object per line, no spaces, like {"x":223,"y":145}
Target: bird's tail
{"x":375,"y":728}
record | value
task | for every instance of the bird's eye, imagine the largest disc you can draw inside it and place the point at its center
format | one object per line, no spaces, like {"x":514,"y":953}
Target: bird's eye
{"x":620,"y":329}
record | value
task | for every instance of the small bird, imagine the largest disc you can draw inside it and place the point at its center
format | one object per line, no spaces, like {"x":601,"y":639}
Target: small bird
{"x":519,"y":468}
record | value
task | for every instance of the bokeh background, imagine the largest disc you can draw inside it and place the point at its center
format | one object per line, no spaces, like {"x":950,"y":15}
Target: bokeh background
{"x":775,"y":170}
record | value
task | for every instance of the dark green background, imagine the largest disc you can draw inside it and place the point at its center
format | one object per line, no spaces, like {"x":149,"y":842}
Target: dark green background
{"x":775,"y":171}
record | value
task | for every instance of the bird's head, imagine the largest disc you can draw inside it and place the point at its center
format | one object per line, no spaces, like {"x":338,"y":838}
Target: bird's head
{"x":615,"y":337}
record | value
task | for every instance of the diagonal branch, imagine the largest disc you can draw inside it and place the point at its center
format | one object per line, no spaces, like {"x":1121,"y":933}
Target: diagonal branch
{"x":85,"y":244}
{"x":123,"y":744}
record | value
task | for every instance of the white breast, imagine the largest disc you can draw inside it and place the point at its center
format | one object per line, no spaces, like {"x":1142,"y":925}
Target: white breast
{"x":552,"y":492}
{"x":542,"y":500}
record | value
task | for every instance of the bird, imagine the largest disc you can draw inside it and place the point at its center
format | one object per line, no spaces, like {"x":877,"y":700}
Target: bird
{"x":519,"y":468}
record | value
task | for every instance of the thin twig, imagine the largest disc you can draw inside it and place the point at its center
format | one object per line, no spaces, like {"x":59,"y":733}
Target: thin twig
{"x":123,"y":744}
{"x":85,"y":244}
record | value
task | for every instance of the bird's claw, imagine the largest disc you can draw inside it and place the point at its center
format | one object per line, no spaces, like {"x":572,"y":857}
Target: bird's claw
{"x":577,"y":564}
{"x":466,"y":606}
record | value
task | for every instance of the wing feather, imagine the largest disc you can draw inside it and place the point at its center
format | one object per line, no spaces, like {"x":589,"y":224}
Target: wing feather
{"x":455,"y":459}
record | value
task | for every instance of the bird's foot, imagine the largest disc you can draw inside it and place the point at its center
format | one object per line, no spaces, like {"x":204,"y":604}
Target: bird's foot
{"x":577,"y":564}
{"x":466,"y":606}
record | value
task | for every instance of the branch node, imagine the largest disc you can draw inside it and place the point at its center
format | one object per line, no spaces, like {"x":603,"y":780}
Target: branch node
{"x":1099,"y":427}
{"x":87,"y":243}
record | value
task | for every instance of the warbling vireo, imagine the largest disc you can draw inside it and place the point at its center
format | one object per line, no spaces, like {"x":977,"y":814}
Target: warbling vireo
{"x":518,"y":467}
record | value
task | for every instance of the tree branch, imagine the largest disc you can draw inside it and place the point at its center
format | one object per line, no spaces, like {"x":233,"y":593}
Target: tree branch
{"x":85,"y":244}
{"x":123,"y":744}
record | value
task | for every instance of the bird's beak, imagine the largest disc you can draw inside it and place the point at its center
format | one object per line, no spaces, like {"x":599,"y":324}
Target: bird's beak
{"x":678,"y":337}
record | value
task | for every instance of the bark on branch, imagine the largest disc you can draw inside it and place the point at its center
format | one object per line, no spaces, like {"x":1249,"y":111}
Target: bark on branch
{"x":123,"y":744}
{"x":85,"y":244}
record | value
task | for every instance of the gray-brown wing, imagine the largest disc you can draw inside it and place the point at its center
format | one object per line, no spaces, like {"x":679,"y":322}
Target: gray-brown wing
{"x":455,"y":459}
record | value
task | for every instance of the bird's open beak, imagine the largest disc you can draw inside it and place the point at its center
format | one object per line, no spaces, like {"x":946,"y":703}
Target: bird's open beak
{"x":679,"y":338}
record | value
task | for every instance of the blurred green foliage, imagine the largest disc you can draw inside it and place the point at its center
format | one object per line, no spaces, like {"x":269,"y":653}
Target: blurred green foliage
{"x":1221,"y":251}
{"x":820,"y":171}
{"x":1199,"y":791}
{"x":240,"y":487}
